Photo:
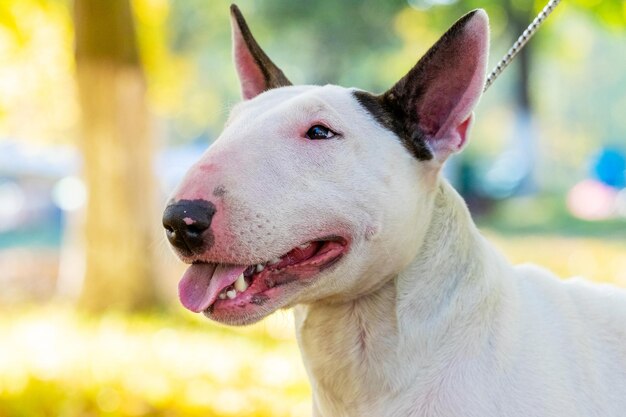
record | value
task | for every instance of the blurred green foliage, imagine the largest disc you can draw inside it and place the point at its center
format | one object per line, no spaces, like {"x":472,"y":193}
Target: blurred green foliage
{"x":185,"y":47}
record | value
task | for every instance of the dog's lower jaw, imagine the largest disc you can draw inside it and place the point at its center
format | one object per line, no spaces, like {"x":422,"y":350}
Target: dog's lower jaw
{"x":435,"y":312}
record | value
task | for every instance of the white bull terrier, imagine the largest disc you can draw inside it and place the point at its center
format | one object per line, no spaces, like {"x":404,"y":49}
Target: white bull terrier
{"x":331,"y":200}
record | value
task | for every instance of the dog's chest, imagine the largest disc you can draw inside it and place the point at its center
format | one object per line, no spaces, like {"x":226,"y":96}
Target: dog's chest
{"x":350,"y":360}
{"x":358,"y":364}
{"x":359,"y":371}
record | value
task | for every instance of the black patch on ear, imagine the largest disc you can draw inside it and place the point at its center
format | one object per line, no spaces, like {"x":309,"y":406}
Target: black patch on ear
{"x":272,"y":75}
{"x":391,"y":116}
{"x":398,"y":108}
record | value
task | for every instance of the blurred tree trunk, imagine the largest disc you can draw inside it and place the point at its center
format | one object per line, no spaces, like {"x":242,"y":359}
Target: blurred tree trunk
{"x":525,"y":136}
{"x":520,"y":19}
{"x":117,"y":153}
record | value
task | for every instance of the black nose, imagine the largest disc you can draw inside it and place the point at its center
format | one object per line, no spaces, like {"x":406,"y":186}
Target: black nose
{"x":186,"y":222}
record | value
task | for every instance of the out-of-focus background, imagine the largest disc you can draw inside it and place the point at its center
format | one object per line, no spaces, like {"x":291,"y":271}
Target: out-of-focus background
{"x":105,"y":104}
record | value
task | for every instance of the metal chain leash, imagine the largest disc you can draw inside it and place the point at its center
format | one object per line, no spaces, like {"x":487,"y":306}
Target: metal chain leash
{"x":520,"y":42}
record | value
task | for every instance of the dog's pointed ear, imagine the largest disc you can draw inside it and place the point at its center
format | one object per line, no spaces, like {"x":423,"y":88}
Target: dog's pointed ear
{"x":257,"y":73}
{"x":433,"y":102}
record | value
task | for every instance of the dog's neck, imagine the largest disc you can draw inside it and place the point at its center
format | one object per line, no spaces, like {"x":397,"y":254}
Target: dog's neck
{"x":440,"y":307}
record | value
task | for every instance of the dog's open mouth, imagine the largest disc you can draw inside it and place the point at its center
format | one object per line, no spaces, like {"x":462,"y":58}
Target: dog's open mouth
{"x":206,"y":286}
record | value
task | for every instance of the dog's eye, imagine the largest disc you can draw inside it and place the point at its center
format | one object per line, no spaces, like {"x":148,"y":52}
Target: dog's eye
{"x":319,"y":132}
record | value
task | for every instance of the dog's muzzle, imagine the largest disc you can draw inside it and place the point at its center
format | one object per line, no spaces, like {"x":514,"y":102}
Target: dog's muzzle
{"x":187,"y":223}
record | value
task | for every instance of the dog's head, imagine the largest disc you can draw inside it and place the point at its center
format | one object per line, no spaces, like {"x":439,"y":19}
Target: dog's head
{"x":320,"y":193}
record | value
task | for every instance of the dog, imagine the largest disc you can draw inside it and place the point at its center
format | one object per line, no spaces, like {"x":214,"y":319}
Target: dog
{"x":331,"y":200}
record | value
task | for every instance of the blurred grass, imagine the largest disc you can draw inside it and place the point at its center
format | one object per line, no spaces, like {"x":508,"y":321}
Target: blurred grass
{"x":541,"y":230}
{"x":596,"y":259}
{"x":547,"y":214}
{"x":54,"y":362}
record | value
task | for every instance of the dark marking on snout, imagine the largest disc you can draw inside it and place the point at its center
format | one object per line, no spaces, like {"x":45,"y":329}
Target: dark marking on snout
{"x":187,"y":225}
{"x":219,"y":191}
{"x":392,"y":117}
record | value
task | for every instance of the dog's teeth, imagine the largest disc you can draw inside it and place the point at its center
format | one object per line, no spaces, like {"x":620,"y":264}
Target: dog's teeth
{"x":222,"y":296}
{"x":259,"y":268}
{"x":274,"y":261}
{"x":231,"y":294}
{"x":304,"y":246}
{"x":240,"y":284}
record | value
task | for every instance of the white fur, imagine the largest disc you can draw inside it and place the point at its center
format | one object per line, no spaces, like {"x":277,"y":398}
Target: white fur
{"x":460,"y":332}
{"x":422,"y":317}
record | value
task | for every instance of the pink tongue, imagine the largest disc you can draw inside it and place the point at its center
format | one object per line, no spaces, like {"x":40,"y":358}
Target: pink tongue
{"x":202,"y":283}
